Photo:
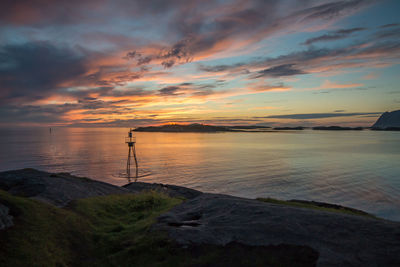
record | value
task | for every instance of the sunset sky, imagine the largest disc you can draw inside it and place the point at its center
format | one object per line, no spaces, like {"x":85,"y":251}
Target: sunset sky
{"x":134,"y":63}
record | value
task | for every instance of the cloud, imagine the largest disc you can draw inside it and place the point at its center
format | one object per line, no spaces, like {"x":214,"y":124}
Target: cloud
{"x":118,"y":122}
{"x":154,"y":121}
{"x":389,"y":25}
{"x":392,"y":32}
{"x":220,"y":68}
{"x":279,"y":71}
{"x":332,"y":10}
{"x":71,"y":12}
{"x":102,"y":64}
{"x":170,"y":91}
{"x":333,"y":85}
{"x":349,"y":31}
{"x":32,"y":71}
{"x":364,"y":54}
{"x":188,"y":90}
{"x":310,"y":116}
{"x":370,"y":76}
{"x":336,"y":35}
{"x":213,"y":28}
{"x":179,"y":52}
{"x":33,"y":114}
{"x":261,"y":86}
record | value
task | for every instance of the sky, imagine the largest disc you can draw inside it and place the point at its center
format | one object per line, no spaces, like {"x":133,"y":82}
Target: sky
{"x":99,"y":63}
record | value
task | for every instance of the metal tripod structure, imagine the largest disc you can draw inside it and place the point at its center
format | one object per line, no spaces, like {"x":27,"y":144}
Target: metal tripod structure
{"x":130,"y":140}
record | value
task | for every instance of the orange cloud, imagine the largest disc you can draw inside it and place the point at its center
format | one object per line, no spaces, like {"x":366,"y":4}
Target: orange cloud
{"x":332,"y":85}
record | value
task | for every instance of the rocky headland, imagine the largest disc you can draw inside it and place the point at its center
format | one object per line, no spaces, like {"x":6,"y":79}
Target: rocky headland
{"x":298,"y":233}
{"x":389,"y":121}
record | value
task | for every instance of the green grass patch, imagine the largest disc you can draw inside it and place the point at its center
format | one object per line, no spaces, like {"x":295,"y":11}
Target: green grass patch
{"x":115,"y":231}
{"x":317,"y":206}
{"x":93,"y":231}
{"x":120,"y":226}
{"x":43,"y":235}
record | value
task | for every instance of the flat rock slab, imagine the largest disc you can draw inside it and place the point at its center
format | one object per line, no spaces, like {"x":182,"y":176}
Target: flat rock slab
{"x":57,"y":189}
{"x":170,"y":190}
{"x":340,"y":239}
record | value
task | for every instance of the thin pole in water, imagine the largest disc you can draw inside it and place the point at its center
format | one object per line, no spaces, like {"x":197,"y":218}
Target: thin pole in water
{"x":130,"y":140}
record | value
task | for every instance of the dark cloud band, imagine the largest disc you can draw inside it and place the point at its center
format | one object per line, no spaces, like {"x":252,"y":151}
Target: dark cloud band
{"x":310,"y":116}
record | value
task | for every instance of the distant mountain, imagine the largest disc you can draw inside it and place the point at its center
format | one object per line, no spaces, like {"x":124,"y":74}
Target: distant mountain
{"x":388,"y":121}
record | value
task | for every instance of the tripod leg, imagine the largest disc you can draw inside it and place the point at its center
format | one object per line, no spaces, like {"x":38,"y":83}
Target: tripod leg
{"x":128,"y":165}
{"x":136,"y":163}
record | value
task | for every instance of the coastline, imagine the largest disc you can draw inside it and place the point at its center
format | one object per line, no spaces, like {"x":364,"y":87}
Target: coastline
{"x":224,"y":222}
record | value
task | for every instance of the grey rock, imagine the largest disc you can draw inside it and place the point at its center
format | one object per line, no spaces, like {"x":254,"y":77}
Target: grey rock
{"x":6,"y":220}
{"x":388,"y":120}
{"x":57,"y":189}
{"x":170,"y":190}
{"x":340,"y":239}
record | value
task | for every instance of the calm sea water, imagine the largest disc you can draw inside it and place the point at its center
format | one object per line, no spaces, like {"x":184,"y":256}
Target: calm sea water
{"x":359,"y":169}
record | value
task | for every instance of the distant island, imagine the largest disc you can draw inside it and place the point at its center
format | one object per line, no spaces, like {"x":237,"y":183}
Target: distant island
{"x":200,"y":128}
{"x":184,"y":128}
{"x":289,"y":128}
{"x":337,"y":128}
{"x":203,"y":128}
{"x":388,"y":121}
{"x":248,"y":127}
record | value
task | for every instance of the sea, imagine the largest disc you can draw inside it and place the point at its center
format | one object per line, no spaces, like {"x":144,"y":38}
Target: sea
{"x":359,"y":169}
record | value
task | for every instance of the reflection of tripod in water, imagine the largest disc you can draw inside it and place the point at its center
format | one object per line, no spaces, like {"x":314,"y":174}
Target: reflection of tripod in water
{"x":130,"y":140}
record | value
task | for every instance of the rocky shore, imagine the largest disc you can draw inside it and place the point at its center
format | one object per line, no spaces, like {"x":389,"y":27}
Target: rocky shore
{"x":327,"y":237}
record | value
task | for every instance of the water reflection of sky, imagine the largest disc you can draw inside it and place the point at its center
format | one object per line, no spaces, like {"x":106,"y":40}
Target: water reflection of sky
{"x":358,"y":169}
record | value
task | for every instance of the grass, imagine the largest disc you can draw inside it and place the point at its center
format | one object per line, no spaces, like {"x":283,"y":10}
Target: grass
{"x":120,"y":227}
{"x":115,"y":231}
{"x":93,"y":231}
{"x":316,"y":206}
{"x":43,"y":235}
